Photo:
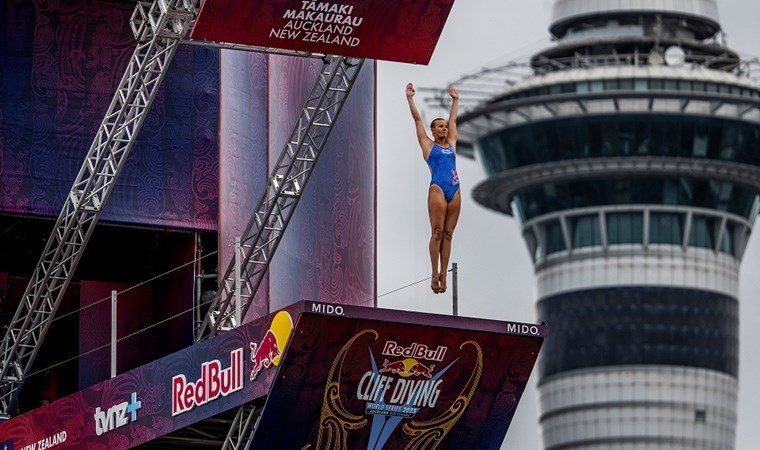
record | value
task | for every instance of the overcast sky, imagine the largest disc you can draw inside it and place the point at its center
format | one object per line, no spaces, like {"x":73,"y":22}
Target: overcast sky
{"x":495,"y":271}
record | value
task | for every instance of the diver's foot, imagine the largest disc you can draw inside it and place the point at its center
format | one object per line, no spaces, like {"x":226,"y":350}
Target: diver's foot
{"x":442,"y":282}
{"x":435,"y":283}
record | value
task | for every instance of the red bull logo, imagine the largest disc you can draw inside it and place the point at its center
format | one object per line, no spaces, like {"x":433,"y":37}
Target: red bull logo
{"x":419,"y":351}
{"x":214,"y":382}
{"x":264,"y":353}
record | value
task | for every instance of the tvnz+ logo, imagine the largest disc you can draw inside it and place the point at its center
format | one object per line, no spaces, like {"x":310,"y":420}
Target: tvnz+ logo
{"x":117,"y":415}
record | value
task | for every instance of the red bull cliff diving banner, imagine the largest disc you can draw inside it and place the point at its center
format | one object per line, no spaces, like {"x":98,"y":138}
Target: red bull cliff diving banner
{"x":331,"y":377}
{"x":393,"y":30}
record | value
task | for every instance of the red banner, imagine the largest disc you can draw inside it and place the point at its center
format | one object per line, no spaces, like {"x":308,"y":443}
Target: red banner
{"x":393,"y":30}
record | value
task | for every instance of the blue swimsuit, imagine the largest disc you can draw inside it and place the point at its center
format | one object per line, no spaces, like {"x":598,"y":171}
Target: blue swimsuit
{"x":443,"y":170}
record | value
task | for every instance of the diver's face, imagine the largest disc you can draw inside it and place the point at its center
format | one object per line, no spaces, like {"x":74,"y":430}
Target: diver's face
{"x":440,"y":129}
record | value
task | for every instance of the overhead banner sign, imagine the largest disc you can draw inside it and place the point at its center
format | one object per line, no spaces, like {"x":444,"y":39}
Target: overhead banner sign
{"x":392,"y":30}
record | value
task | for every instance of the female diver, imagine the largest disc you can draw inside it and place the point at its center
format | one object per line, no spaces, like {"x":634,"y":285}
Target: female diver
{"x":444,"y":198}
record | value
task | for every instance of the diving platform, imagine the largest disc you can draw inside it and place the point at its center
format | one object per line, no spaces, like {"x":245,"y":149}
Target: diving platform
{"x":320,"y":376}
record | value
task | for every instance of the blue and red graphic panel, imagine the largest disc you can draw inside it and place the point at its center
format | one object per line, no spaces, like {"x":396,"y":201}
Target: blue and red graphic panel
{"x":160,"y":397}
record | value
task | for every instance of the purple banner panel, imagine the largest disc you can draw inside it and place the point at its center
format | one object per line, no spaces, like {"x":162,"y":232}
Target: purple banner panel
{"x":5,"y":311}
{"x":394,"y":30}
{"x":359,"y":384}
{"x":60,"y":66}
{"x":377,"y":376}
{"x":160,"y":397}
{"x":328,"y":252}
{"x":243,"y":155}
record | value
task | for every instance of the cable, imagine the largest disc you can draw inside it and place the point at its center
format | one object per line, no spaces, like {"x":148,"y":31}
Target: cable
{"x":186,"y":311}
{"x":136,"y":286}
{"x":404,"y":287}
{"x":519,"y":52}
{"x":135,"y":333}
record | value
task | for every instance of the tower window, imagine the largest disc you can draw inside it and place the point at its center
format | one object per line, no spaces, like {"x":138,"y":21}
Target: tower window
{"x":585,"y":231}
{"x":665,"y":228}
{"x":625,"y":228}
{"x":727,"y":240}
{"x":555,"y":242}
{"x":703,"y":232}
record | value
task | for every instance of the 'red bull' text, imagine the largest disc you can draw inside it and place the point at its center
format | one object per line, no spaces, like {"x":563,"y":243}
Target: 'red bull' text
{"x":419,"y":351}
{"x":214,"y":382}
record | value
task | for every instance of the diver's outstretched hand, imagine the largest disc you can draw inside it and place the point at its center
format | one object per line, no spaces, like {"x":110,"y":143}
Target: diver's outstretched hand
{"x":453,"y":92}
{"x":410,"y":90}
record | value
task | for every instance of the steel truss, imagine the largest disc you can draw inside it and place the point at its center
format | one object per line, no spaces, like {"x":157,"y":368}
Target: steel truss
{"x":241,"y":429}
{"x":158,"y":27}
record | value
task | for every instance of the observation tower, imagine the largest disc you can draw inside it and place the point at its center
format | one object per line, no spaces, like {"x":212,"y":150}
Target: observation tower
{"x":630,"y":156}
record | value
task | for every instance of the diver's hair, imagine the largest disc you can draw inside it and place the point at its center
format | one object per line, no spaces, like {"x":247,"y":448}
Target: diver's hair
{"x":432,"y":124}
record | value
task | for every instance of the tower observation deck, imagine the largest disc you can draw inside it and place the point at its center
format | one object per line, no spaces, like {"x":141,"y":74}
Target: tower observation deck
{"x":629,"y":154}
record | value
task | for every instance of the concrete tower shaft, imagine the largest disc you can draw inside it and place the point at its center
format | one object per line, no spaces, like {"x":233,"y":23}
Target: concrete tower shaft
{"x":630,"y":157}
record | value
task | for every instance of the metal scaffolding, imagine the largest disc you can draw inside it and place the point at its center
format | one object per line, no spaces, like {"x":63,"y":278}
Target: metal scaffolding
{"x":242,"y":427}
{"x":159,"y":27}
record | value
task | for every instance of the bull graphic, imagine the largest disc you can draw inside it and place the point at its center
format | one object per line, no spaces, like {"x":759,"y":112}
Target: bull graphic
{"x":423,"y":370}
{"x":263,"y":353}
{"x":394,"y":367}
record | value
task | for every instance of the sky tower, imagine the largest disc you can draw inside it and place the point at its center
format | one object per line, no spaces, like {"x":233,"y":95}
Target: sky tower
{"x":630,"y":157}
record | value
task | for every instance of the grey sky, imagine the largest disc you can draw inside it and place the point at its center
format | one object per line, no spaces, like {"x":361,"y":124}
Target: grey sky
{"x":495,"y":271}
